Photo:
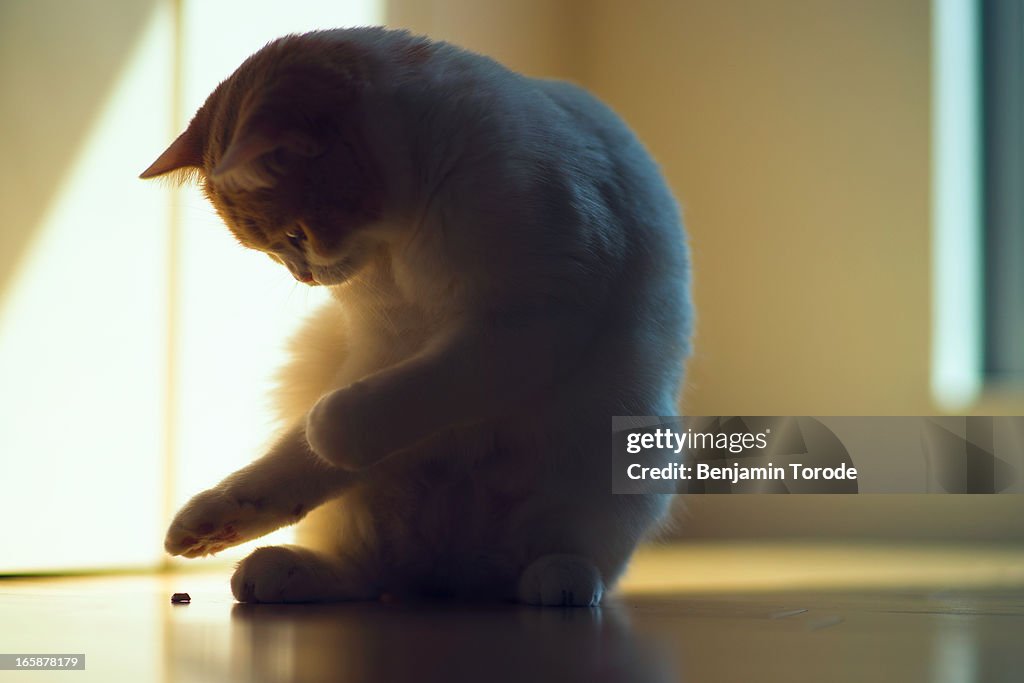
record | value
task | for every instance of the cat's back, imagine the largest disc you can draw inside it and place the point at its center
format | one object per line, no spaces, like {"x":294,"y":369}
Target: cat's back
{"x":461,"y":103}
{"x":585,"y":109}
{"x":617,"y":160}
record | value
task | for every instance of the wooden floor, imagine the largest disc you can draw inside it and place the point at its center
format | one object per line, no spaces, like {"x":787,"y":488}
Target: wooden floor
{"x":695,"y":613}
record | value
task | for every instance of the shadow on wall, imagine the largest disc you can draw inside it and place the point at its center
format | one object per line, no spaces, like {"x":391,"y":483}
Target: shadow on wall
{"x":53,"y":92}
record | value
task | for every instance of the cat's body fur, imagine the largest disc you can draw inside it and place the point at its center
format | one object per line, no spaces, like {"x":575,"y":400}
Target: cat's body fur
{"x":508,"y":272}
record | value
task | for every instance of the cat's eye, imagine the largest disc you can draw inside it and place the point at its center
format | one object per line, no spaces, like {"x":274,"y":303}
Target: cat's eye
{"x":296,"y":237}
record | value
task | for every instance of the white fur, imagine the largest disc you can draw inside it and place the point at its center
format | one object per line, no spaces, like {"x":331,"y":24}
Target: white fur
{"x":528,"y":280}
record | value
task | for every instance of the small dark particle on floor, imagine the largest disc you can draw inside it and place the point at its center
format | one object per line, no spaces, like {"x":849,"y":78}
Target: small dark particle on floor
{"x":181,"y":598}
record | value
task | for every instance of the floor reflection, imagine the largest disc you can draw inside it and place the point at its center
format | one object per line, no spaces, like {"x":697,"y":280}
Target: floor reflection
{"x":423,"y":642}
{"x":426,"y":642}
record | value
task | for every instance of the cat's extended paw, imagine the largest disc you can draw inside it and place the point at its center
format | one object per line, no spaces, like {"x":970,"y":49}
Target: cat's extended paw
{"x":561,"y":581}
{"x":215,"y":520}
{"x":343,"y":430}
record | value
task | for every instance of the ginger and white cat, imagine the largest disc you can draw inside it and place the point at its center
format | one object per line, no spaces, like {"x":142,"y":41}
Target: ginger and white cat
{"x":508,"y":271}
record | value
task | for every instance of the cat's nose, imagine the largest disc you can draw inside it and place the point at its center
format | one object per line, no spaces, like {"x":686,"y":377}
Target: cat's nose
{"x":299,"y":273}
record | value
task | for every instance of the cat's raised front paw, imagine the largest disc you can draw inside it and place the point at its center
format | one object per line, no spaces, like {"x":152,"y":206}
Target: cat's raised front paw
{"x":342,"y":429}
{"x":215,"y":520}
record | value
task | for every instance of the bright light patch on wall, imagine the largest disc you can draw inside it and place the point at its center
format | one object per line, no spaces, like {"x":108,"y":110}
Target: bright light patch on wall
{"x":83,"y":346}
{"x":236,"y":308}
{"x":956,"y":205}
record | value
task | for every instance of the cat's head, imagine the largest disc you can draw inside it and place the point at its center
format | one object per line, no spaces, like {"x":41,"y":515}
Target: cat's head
{"x":277,"y":148}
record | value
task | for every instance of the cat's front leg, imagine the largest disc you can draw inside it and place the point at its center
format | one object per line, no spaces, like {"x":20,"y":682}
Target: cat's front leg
{"x":275,"y":491}
{"x":477,"y":371}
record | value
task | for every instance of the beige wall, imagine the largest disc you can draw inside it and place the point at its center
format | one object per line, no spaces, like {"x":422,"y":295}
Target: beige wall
{"x":536,"y":37}
{"x":58,"y":63}
{"x":83,"y":283}
{"x":796,"y":135}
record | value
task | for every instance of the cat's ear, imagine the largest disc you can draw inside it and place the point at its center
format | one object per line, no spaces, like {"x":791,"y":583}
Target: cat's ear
{"x":184,"y":154}
{"x":249,"y":162}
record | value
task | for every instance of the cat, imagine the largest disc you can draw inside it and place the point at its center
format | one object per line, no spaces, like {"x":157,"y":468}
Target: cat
{"x":508,"y":270}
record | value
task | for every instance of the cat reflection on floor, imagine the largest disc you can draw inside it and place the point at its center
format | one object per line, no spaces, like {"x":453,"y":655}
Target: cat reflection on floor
{"x":508,"y":271}
{"x":427,"y":642}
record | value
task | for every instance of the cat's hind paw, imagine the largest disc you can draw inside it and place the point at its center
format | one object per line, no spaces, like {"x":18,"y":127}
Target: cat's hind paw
{"x":294,"y":574}
{"x":215,"y":520}
{"x":561,"y":581}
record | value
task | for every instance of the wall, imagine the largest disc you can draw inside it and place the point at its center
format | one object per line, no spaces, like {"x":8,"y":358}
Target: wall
{"x":83,"y":334}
